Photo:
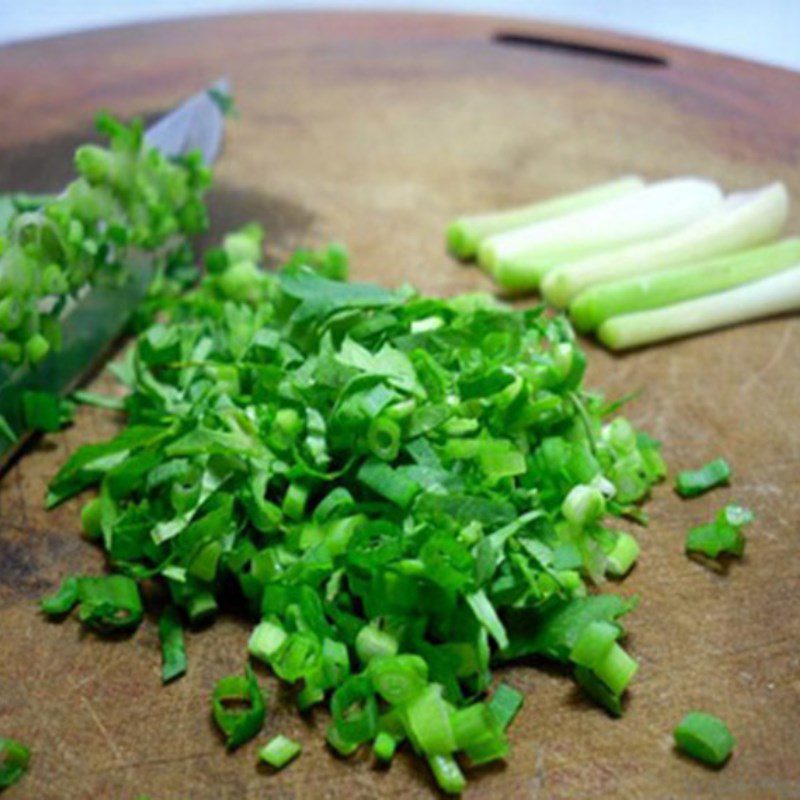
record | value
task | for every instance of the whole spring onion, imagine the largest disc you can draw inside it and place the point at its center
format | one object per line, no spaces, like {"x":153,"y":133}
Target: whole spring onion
{"x":519,"y":259}
{"x":465,"y":235}
{"x":744,"y":220}
{"x":762,"y":298}
{"x":705,"y":738}
{"x":661,"y":289}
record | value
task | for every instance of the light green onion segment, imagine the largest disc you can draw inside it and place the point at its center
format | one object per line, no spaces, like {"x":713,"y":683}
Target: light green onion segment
{"x":661,"y":289}
{"x":466,"y":234}
{"x":744,"y":220}
{"x":763,"y":298}
{"x":519,"y":259}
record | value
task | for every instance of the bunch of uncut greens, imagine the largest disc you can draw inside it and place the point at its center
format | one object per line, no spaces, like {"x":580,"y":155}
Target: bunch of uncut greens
{"x":127,"y":197}
{"x":403,"y":490}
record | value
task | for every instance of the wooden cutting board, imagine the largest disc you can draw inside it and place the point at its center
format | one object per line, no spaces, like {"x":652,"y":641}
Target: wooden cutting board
{"x":375,"y":130}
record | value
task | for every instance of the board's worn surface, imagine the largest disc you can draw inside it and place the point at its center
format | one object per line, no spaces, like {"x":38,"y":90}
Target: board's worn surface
{"x":375,"y":130}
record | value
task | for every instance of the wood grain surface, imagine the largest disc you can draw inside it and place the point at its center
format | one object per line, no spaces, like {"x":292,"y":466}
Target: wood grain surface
{"x":375,"y":130}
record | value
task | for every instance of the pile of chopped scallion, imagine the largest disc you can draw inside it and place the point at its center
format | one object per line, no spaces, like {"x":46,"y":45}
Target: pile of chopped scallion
{"x":404,"y":491}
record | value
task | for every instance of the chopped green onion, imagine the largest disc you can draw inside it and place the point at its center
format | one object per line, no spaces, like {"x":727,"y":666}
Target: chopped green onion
{"x":724,"y":535}
{"x":596,"y":650}
{"x":384,"y":438}
{"x":64,"y":600}
{"x":14,"y":760}
{"x":705,"y":738}
{"x":266,"y":640}
{"x":238,"y":708}
{"x":598,"y":691}
{"x":402,"y":489}
{"x":173,"y":650}
{"x":343,"y":747}
{"x":109,"y":603}
{"x":279,"y":751}
{"x":505,"y":704}
{"x":479,"y":734}
{"x":355,"y":710}
{"x":622,"y":556}
{"x":594,"y":644}
{"x":466,"y":234}
{"x":691,"y":483}
{"x":427,"y":721}
{"x":91,"y":519}
{"x":372,"y":642}
{"x":399,"y":678}
{"x":448,"y":776}
{"x":384,"y":747}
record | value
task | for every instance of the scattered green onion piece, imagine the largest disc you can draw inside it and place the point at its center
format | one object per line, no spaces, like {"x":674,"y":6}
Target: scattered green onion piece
{"x":384,"y":438}
{"x":505,"y":704}
{"x":372,"y":642}
{"x":91,"y":519}
{"x":384,"y":747}
{"x":427,"y":721}
{"x":342,"y":746}
{"x":238,"y":708}
{"x":623,"y":555}
{"x":110,"y":603}
{"x":279,"y":751}
{"x":14,"y":760}
{"x":479,"y":734}
{"x":397,"y":679}
{"x":266,"y":640}
{"x":448,"y":776}
{"x":594,"y":644}
{"x":705,"y":738}
{"x":64,"y":600}
{"x":598,"y":691}
{"x":173,"y":650}
{"x":355,"y":710}
{"x":691,"y":483}
{"x":723,"y":536}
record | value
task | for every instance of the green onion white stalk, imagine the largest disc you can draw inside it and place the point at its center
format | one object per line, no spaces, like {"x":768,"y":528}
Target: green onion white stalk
{"x":776,"y":294}
{"x":744,"y":220}
{"x":519,"y":259}
{"x":465,"y":234}
{"x":597,"y":304}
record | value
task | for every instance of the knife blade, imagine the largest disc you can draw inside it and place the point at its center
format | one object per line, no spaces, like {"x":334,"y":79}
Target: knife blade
{"x":90,"y":326}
